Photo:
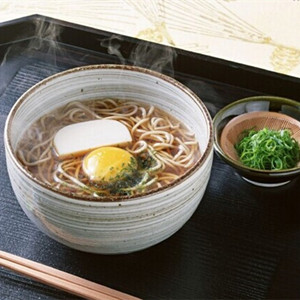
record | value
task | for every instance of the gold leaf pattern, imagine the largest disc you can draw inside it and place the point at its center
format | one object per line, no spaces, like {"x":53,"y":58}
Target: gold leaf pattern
{"x":219,"y":28}
{"x":285,"y":59}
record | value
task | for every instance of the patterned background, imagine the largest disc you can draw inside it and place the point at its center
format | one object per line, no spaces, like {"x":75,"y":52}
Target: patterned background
{"x":261,"y":33}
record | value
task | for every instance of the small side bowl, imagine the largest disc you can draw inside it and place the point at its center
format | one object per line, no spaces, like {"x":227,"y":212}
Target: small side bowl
{"x":260,"y":111}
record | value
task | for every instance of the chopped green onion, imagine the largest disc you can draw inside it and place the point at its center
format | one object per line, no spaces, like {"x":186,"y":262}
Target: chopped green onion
{"x":268,"y":149}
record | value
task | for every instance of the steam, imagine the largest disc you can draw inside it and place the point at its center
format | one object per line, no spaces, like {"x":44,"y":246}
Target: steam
{"x":43,"y":44}
{"x":45,"y":47}
{"x":6,"y":69}
{"x":145,"y":54}
{"x":160,"y":59}
{"x":113,"y":47}
{"x":46,"y":40}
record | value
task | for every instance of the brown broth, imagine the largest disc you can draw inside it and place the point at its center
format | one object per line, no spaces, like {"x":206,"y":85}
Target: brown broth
{"x":171,"y":148}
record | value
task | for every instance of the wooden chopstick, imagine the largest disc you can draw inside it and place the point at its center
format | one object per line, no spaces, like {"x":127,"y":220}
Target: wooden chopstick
{"x":61,"y":280}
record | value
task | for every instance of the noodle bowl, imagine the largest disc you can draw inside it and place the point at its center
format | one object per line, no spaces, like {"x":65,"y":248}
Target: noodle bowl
{"x":171,"y":135}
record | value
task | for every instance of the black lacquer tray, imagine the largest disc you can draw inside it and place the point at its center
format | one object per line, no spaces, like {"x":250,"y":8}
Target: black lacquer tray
{"x":242,"y":242}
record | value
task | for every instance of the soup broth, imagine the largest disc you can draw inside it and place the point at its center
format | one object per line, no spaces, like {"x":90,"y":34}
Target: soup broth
{"x":162,"y":149}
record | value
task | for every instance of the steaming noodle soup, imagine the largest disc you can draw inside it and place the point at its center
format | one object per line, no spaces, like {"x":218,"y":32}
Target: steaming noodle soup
{"x":161,"y":151}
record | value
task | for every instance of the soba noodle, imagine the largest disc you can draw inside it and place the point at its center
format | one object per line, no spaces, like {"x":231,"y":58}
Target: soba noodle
{"x":164,"y":148}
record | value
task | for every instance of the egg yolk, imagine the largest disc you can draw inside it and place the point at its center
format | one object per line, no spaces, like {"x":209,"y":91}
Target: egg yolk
{"x":108,"y":164}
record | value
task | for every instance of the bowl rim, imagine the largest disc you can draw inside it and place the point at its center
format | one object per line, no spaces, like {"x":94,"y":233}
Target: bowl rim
{"x":109,"y":199}
{"x":238,"y":165}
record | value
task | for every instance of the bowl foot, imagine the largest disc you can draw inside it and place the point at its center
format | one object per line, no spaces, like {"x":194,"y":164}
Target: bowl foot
{"x":264,"y":184}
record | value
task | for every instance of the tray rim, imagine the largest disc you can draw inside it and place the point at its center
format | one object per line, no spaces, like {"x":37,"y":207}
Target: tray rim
{"x":187,"y":62}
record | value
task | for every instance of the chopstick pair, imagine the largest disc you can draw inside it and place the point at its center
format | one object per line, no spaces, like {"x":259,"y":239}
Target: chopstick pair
{"x":61,"y":280}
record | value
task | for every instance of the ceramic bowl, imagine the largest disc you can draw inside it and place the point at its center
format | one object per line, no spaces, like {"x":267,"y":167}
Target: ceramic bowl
{"x":256,"y":112}
{"x":123,"y":225}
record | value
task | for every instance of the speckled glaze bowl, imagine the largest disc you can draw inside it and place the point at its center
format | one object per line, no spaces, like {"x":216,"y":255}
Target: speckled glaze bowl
{"x":125,"y":225}
{"x":259,"y":111}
